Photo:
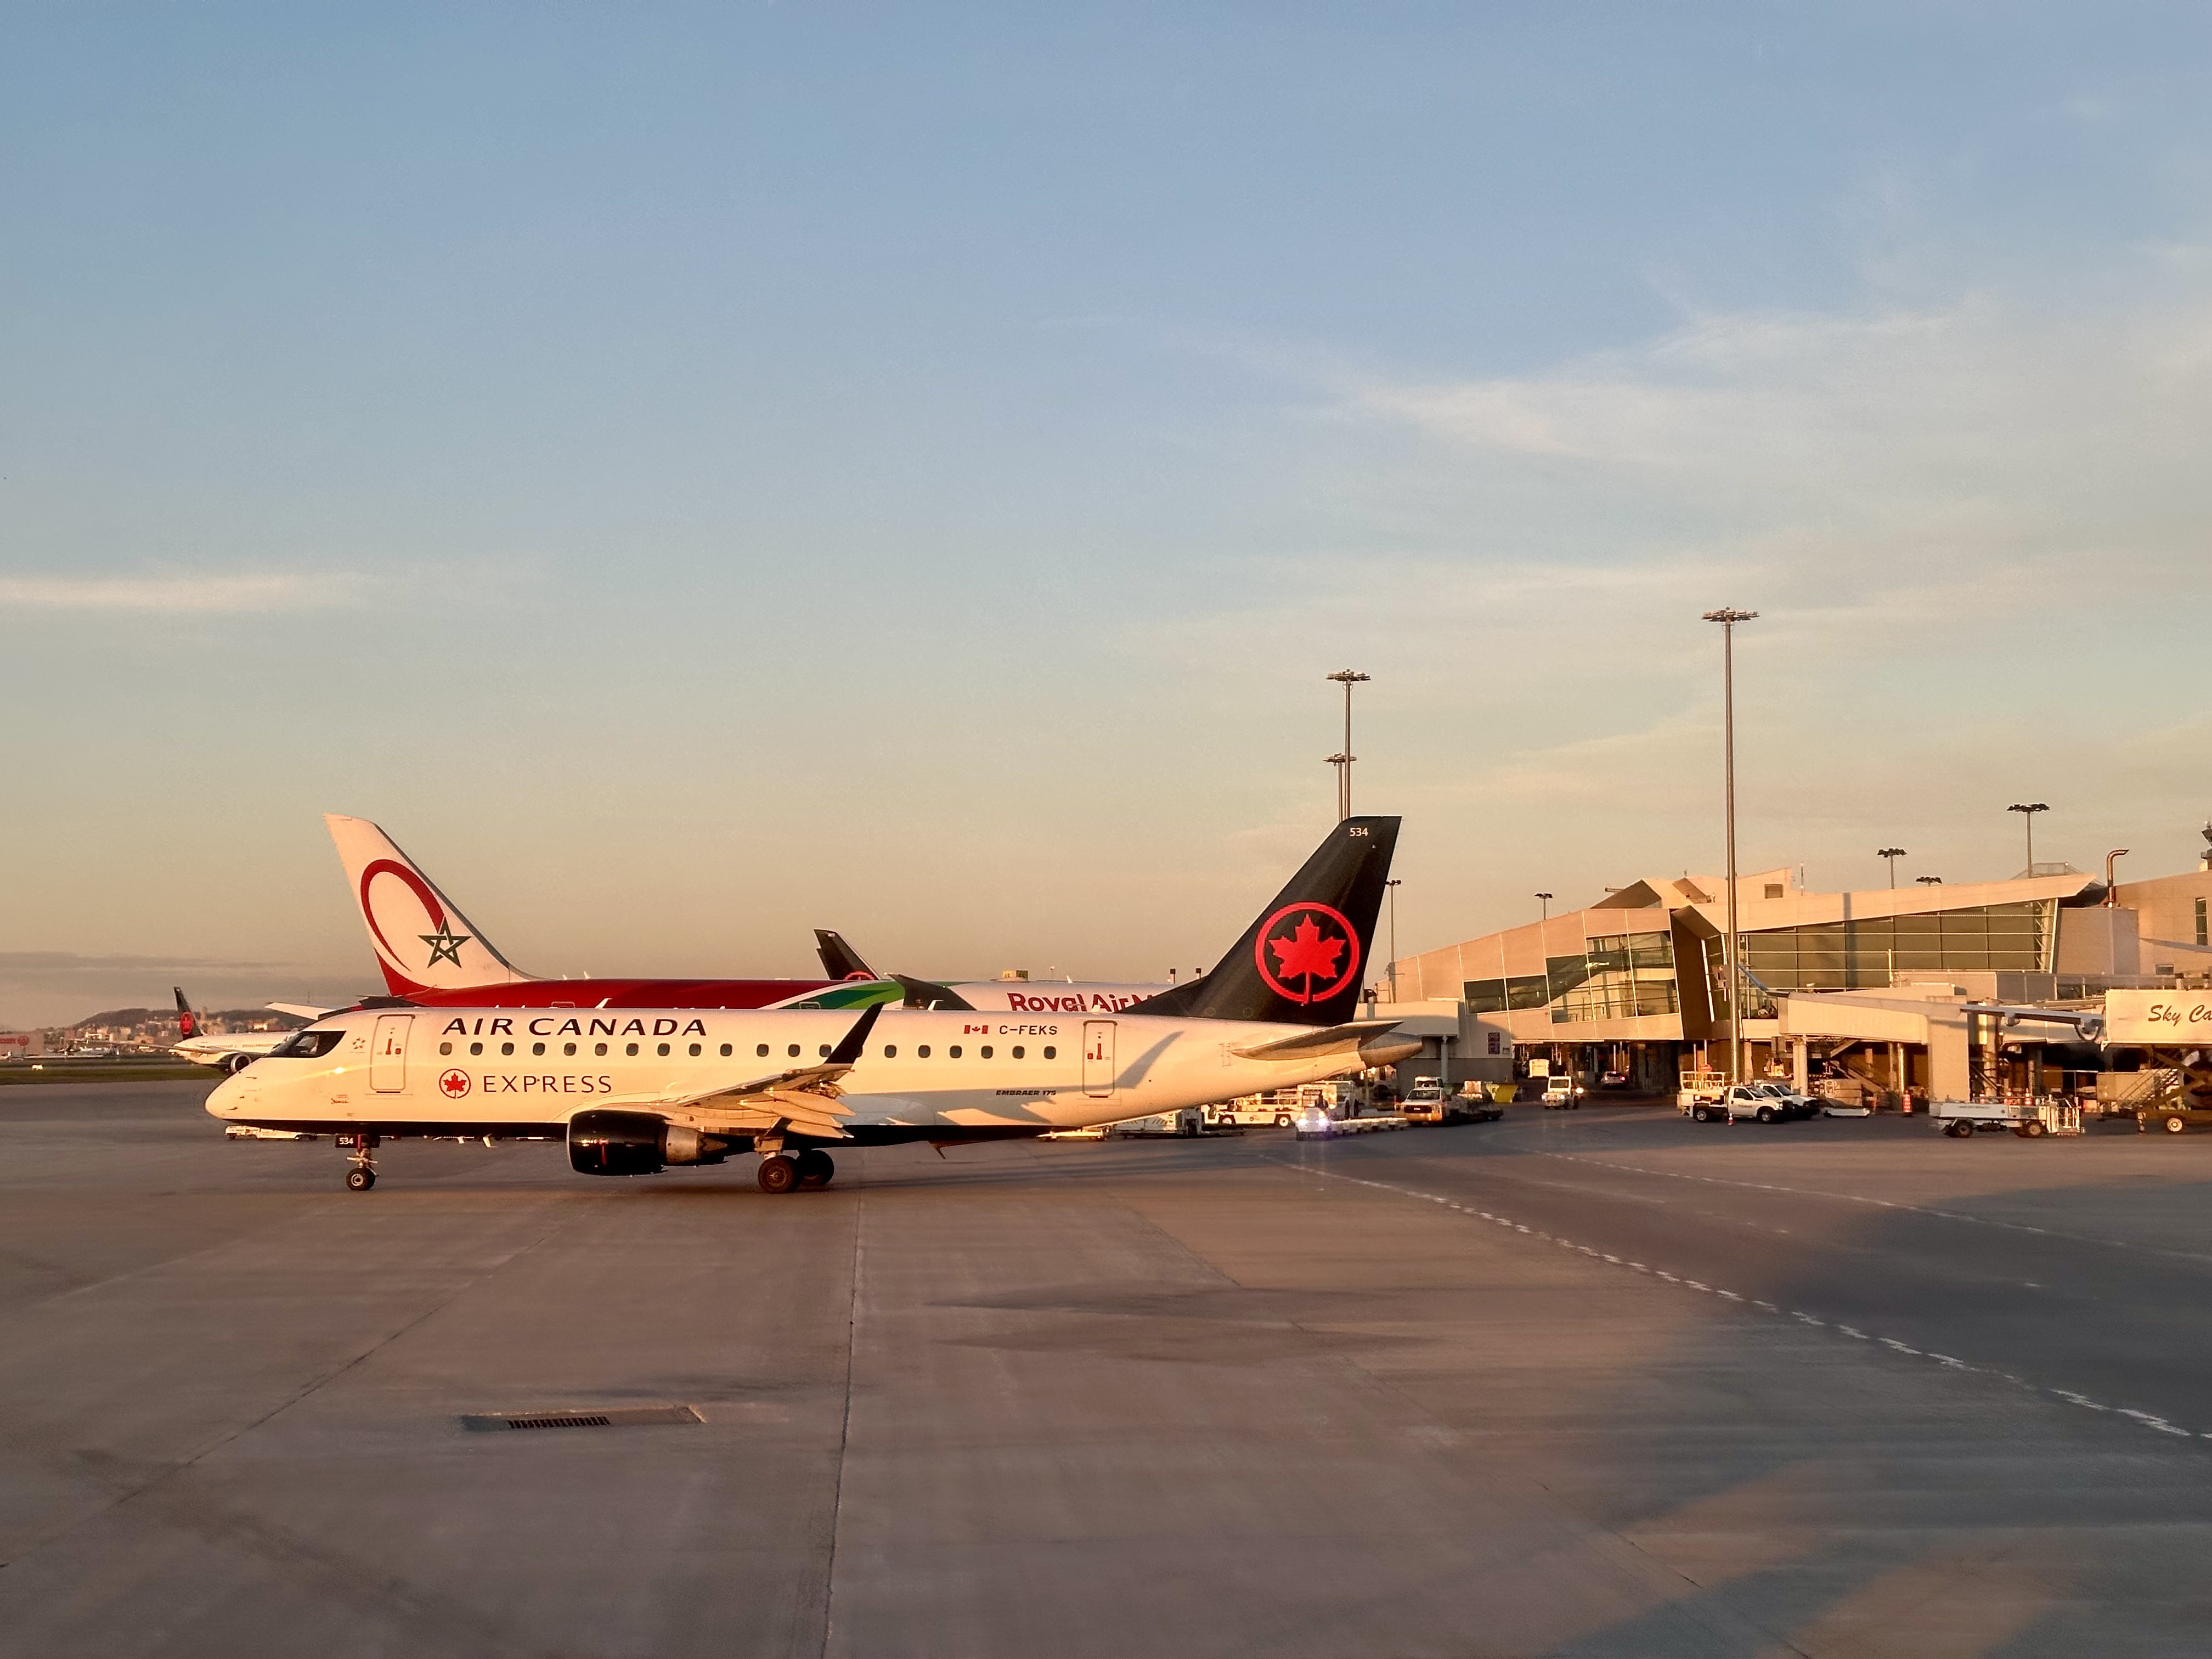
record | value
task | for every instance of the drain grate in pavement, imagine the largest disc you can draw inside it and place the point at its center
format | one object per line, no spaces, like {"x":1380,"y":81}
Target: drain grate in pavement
{"x":618,"y":1417}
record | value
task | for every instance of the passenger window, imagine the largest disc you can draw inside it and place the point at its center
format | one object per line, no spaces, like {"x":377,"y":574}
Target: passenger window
{"x":922,"y":1052}
{"x":537,"y":1047}
{"x":985,"y":1051}
{"x":762,"y":1051}
{"x":1018,"y":1051}
{"x":954,"y":1051}
{"x":444,"y":1048}
{"x":695,"y":1051}
{"x":1050,"y":1054}
{"x":794,"y":1051}
{"x":476,"y":1047}
{"x":725,"y":1051}
{"x":506,"y":1048}
{"x":663,"y":1051}
{"x":631,"y":1049}
{"x":568,"y":1047}
{"x":599,"y":1047}
{"x":891,"y":1051}
{"x":825,"y":1051}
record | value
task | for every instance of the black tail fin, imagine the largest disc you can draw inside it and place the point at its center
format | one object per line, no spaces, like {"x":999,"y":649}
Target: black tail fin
{"x":839,"y":960}
{"x":1301,"y":962}
{"x":188,"y":1023}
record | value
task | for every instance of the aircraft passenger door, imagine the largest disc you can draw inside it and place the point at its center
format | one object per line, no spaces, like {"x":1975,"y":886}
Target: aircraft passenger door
{"x":387,"y":1053}
{"x":1098,"y":1058}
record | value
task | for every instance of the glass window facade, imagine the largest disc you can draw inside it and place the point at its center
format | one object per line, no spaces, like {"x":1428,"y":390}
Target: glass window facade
{"x":1850,"y":955}
{"x":1617,"y":976}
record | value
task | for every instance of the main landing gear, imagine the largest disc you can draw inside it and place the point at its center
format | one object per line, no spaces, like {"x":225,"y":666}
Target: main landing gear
{"x":362,"y":1175}
{"x":812,"y":1169}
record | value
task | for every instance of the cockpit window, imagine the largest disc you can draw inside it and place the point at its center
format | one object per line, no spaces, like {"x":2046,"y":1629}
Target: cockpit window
{"x":306,"y":1045}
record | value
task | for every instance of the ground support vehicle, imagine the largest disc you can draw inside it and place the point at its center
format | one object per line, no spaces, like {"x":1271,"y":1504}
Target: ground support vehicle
{"x":1281,"y":1107}
{"x":2172,"y":1118}
{"x":1427,"y":1102}
{"x":1699,"y":1089}
{"x":1744,"y":1100}
{"x":2031,"y":1120}
{"x":1564,"y":1093}
{"x":1314,"y":1123}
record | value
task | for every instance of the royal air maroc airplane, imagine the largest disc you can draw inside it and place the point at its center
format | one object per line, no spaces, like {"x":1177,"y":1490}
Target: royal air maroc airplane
{"x":431,"y":953}
{"x":632,"y":1091}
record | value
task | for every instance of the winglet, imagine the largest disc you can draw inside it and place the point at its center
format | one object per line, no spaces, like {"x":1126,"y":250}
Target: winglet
{"x":848,"y":1049}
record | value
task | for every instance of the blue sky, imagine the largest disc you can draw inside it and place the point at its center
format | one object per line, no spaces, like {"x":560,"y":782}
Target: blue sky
{"x":697,"y":475}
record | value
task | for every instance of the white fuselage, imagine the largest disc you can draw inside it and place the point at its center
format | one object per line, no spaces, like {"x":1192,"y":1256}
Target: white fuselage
{"x":217,"y":1048}
{"x":477,"y":1070}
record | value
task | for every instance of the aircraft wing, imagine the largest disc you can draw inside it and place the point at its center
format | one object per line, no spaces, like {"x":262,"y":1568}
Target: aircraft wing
{"x":304,"y":1011}
{"x":1311,"y":1045}
{"x":804,"y":1099}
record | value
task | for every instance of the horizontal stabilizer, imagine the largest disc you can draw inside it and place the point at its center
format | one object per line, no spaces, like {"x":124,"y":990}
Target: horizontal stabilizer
{"x":924,"y":993}
{"x":1310,"y":1045}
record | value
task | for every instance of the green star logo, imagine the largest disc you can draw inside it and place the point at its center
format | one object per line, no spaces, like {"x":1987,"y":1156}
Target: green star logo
{"x":445,"y":946}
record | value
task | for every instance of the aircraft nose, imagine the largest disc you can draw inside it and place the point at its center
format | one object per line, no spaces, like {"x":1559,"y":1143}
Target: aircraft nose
{"x":1388,"y":1049}
{"x":223,"y":1100}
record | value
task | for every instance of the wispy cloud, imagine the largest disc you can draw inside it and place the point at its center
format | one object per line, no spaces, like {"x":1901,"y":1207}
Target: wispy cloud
{"x":198,"y":592}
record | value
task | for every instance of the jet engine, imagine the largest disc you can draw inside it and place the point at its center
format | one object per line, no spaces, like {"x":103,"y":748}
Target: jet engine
{"x":635,"y":1144}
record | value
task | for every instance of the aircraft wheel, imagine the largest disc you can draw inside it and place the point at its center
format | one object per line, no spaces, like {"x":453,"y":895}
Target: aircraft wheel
{"x":817,"y":1170}
{"x":778,"y":1174}
{"x":359,"y":1180}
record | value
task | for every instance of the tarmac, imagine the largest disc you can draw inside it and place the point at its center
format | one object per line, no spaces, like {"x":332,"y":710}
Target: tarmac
{"x":1601,"y":1383}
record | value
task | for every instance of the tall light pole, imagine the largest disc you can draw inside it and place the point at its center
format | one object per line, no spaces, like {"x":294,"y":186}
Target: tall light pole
{"x":1346,"y":677}
{"x":1727,"y":619}
{"x":1892,"y":854}
{"x":2111,"y":889}
{"x":1391,"y":886}
{"x":1929,"y":881}
{"x":2027,"y":817}
{"x":1547,"y":898}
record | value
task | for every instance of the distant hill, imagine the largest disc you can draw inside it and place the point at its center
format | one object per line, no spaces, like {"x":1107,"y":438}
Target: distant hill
{"x":160,"y":1024}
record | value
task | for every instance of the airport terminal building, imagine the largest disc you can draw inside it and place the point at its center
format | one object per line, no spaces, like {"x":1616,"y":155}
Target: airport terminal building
{"x":1634,"y":984}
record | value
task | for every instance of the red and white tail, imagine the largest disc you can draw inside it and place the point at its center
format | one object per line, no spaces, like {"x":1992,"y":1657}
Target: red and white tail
{"x":423,"y":941}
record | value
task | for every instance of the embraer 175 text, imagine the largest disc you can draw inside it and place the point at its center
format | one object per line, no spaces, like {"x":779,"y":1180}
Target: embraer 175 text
{"x":632,"y":1091}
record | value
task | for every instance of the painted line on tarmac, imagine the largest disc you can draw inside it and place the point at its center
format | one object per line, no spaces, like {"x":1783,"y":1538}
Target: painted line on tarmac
{"x":1947,"y":1362}
{"x":1876,"y":1203}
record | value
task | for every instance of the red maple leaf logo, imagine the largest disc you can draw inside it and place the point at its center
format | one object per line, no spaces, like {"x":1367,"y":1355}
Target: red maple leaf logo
{"x":1306,"y":953}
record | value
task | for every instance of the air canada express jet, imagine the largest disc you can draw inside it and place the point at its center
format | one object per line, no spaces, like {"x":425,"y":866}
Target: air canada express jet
{"x":634,"y":1089}
{"x":431,"y":953}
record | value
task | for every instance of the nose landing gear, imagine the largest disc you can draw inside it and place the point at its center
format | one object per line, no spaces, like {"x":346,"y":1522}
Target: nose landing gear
{"x":362,"y":1175}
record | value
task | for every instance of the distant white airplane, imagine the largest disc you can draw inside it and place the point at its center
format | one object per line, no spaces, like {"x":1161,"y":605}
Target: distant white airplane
{"x":632,"y":1091}
{"x":230,"y":1051}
